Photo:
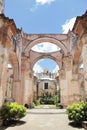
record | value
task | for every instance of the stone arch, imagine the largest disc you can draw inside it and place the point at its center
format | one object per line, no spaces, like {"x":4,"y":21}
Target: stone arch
{"x":44,"y":57}
{"x":46,"y":39}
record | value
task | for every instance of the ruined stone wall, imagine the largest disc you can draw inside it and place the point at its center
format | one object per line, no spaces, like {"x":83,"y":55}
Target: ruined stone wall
{"x":1,"y":6}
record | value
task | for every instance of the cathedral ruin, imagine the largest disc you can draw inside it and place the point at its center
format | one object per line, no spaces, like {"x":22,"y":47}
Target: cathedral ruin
{"x":17,"y":59}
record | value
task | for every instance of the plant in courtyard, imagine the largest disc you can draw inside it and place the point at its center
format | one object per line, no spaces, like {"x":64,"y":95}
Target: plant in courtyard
{"x":12,"y":112}
{"x":77,"y":112}
{"x":36,"y":102}
{"x":49,"y":99}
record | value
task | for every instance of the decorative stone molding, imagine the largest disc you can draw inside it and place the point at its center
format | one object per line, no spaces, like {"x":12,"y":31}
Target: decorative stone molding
{"x":62,"y":74}
{"x":68,"y":62}
{"x":17,"y":41}
{"x":74,"y":39}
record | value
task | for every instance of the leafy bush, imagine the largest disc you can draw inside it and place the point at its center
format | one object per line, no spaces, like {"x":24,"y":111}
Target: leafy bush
{"x":36,"y":102}
{"x":55,"y":100}
{"x":12,"y":112}
{"x":47,"y":100}
{"x":77,"y":112}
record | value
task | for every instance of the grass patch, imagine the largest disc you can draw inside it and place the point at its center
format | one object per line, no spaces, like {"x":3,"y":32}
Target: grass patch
{"x":39,"y":106}
{"x":52,"y":106}
{"x":42,"y":106}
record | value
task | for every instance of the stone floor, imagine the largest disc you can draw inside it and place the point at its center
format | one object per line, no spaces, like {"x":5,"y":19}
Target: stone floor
{"x":44,"y":119}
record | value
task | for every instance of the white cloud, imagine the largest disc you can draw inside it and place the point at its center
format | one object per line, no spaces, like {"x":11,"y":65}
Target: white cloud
{"x":56,"y":69}
{"x":81,"y":66}
{"x":42,"y":2}
{"x":45,"y":47}
{"x":37,"y":68}
{"x":9,"y":66}
{"x":68,"y":25}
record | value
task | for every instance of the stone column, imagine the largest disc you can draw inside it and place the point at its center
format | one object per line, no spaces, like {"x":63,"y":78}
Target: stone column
{"x":17,"y":81}
{"x":76,"y":96}
{"x":3,"y":73}
{"x":1,"y":68}
{"x":63,"y":87}
{"x":30,"y":80}
{"x":27,"y":82}
{"x":68,"y":69}
{"x":75,"y":83}
{"x":9,"y":88}
{"x":28,"y":88}
{"x":16,"y":90}
{"x":84,"y":56}
{"x":23,"y":75}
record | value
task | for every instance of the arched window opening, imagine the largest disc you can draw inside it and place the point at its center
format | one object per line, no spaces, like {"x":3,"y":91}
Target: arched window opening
{"x":46,"y":68}
{"x":46,"y":47}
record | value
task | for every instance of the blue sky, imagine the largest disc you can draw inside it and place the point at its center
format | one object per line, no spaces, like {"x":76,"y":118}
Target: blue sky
{"x":45,"y":16}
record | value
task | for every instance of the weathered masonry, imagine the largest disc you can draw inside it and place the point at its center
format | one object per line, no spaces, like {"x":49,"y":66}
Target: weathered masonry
{"x":17,"y":80}
{"x":1,"y":6}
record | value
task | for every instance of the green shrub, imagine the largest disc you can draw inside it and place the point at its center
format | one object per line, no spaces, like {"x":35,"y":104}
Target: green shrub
{"x":12,"y":112}
{"x":47,"y":100}
{"x":55,"y":100}
{"x":77,"y":112}
{"x":36,"y":102}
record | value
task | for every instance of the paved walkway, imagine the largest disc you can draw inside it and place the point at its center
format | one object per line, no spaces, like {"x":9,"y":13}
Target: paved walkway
{"x":44,"y":119}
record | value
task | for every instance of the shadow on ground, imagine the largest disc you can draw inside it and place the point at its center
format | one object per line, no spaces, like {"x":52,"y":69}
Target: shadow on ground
{"x":13,"y":124}
{"x":73,"y":124}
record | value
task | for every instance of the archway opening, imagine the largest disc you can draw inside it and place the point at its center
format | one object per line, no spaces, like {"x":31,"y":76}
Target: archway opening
{"x":46,"y":63}
{"x":46,"y":88}
{"x":46,"y":47}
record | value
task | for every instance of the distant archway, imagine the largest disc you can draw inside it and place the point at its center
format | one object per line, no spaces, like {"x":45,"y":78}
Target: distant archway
{"x":44,"y":38}
{"x":46,"y":63}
